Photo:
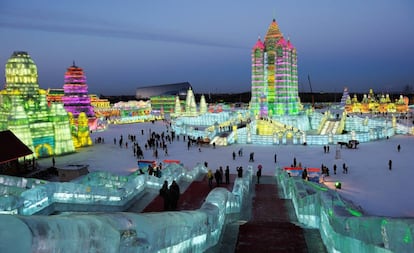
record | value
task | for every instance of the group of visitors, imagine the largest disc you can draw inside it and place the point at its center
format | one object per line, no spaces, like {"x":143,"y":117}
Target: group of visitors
{"x":218,"y":176}
{"x":170,"y":195}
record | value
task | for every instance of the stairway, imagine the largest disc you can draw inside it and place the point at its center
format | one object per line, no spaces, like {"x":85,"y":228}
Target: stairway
{"x":270,"y":228}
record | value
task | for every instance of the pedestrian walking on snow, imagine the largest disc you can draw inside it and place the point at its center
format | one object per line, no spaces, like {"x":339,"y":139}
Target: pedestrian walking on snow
{"x":259,"y":173}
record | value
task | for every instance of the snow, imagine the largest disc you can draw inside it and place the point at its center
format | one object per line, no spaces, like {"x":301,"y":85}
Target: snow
{"x":368,"y":184}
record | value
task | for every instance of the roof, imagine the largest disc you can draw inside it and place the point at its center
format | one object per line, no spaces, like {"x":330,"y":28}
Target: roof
{"x":273,"y":31}
{"x":259,"y":44}
{"x":162,"y":90}
{"x":14,"y":148}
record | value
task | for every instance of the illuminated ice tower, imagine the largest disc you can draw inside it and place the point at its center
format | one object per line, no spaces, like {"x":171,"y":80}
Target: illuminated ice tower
{"x":24,"y":110}
{"x":274,"y":76}
{"x":76,"y":98}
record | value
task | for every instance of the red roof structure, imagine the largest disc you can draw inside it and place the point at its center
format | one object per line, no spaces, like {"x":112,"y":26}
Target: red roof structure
{"x":11,"y":147}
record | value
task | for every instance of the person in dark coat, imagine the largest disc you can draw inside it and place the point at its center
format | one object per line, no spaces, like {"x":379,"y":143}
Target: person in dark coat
{"x":164,"y":193}
{"x":390,"y":164}
{"x":305,"y":174}
{"x":174,"y":194}
{"x":239,"y":171}
{"x":227,"y":175}
{"x":217,"y":177}
{"x":259,"y":173}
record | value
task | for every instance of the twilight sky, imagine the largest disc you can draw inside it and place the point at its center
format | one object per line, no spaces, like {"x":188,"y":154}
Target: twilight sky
{"x":122,"y":45}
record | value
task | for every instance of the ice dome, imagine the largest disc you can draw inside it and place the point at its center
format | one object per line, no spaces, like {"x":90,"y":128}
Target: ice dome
{"x":21,"y":73}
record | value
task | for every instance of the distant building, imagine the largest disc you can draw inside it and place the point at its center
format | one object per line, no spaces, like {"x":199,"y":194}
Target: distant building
{"x":54,"y":95}
{"x":274,"y":76}
{"x":173,"y":89}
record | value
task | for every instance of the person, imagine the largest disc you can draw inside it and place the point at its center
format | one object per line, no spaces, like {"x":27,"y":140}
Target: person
{"x":221,"y":174}
{"x":275,"y":158}
{"x":305,"y":174}
{"x":334,"y":168}
{"x":239,"y":171}
{"x":210,"y":178}
{"x":390,"y":165}
{"x":251,"y":157}
{"x":294,"y":161}
{"x":399,"y":147}
{"x":259,"y":173}
{"x":234,"y":155}
{"x":174,"y":194}
{"x":324,"y":148}
{"x":217,"y":177}
{"x":164,"y":193}
{"x":227,"y":174}
{"x":53,"y":161}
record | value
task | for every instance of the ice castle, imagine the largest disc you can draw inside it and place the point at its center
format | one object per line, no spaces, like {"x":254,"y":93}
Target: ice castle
{"x":24,"y":110}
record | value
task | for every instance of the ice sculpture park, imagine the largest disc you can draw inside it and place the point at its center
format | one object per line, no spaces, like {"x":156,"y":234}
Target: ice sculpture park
{"x":88,"y":214}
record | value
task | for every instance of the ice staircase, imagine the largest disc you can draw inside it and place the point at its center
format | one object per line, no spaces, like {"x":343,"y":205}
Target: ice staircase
{"x":332,"y":126}
{"x":271,"y":227}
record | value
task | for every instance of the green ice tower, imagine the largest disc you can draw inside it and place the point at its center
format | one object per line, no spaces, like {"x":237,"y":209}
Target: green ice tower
{"x":274,"y":76}
{"x":24,"y":110}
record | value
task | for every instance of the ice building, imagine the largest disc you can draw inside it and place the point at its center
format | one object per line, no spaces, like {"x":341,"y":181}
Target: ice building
{"x":274,"y":75}
{"x":76,"y":98}
{"x":24,"y":110}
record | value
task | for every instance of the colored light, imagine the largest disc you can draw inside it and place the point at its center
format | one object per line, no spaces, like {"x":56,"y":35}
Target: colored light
{"x":338,"y":185}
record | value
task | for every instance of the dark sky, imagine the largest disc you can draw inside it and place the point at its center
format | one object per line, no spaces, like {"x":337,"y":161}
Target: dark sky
{"x":126,"y":44}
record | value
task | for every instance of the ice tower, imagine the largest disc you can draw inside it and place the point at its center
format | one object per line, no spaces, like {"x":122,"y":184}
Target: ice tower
{"x":274,"y":75}
{"x":76,"y":98}
{"x":190,"y":104}
{"x":24,"y":110}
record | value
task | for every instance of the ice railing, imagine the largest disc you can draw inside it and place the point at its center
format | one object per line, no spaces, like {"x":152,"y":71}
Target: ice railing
{"x":343,"y":227}
{"x":30,"y":196}
{"x":184,"y":231}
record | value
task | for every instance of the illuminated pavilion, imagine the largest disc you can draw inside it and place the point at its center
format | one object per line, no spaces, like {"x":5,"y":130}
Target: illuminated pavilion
{"x":24,"y":110}
{"x":274,"y":76}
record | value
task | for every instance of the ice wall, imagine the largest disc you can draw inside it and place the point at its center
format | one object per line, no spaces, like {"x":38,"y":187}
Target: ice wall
{"x":184,"y":231}
{"x":343,"y":228}
{"x":97,"y":190}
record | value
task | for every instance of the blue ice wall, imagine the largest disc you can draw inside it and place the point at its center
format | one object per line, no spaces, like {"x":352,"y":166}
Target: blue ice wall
{"x":344,"y":228}
{"x":184,"y":231}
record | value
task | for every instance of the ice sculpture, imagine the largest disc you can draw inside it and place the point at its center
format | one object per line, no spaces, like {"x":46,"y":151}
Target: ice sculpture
{"x":185,"y":231}
{"x":76,"y":98}
{"x":24,"y":110}
{"x":274,"y":75}
{"x":343,"y":227}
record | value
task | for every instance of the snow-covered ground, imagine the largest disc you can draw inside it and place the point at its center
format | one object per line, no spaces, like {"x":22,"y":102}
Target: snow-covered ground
{"x":369,"y":182}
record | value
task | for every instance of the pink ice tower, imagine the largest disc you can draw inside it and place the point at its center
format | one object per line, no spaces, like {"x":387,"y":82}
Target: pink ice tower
{"x":76,"y":98}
